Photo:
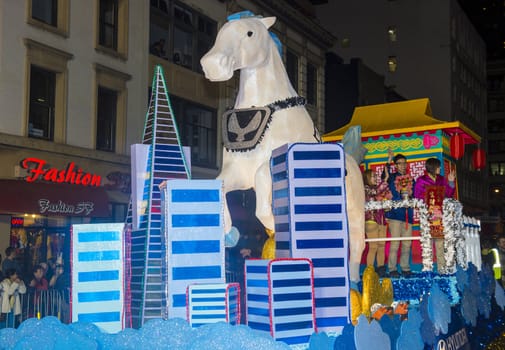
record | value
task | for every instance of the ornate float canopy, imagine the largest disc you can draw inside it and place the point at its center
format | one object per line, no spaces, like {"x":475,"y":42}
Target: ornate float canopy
{"x":400,"y":118}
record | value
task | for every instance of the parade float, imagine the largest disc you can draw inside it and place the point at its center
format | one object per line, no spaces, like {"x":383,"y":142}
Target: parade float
{"x":159,"y":281}
{"x":409,"y":128}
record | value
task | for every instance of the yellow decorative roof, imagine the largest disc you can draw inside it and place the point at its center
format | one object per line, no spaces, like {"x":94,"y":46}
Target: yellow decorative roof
{"x":398,"y":118}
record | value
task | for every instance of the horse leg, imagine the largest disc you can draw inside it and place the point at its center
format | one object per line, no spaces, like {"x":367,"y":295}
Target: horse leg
{"x":355,"y":200}
{"x":226,"y":214}
{"x":231,"y":233}
{"x":263,"y":188}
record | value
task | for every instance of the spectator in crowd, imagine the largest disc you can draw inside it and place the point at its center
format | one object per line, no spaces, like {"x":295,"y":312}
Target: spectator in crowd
{"x":59,"y":283}
{"x":158,"y":48}
{"x":433,"y":180}
{"x":10,"y":261}
{"x":500,"y":244}
{"x":399,"y":219}
{"x":51,"y":268}
{"x":375,"y":220}
{"x":11,"y":287}
{"x":38,"y":282}
{"x":57,"y":280}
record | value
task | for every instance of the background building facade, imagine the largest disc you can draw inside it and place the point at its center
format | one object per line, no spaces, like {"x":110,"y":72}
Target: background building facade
{"x":73,"y":83}
{"x":423,"y":49}
{"x":75,"y":80}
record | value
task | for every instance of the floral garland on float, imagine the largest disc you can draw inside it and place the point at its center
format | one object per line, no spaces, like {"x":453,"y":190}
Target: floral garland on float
{"x":426,"y":245}
{"x":454,"y":241}
{"x":452,"y":221}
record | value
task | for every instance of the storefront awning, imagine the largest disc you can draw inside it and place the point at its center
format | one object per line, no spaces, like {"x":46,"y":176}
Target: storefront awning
{"x":17,"y":196}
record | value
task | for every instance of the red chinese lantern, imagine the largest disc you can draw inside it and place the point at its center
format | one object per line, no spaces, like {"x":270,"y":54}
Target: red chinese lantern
{"x":479,"y":159}
{"x":457,"y":146}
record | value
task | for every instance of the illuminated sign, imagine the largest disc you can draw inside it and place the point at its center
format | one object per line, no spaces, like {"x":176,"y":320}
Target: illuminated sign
{"x":46,"y":207}
{"x":17,"y":221}
{"x":71,"y":174}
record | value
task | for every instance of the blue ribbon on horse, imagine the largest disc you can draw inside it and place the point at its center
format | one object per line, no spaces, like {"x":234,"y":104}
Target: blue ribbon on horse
{"x":249,"y":14}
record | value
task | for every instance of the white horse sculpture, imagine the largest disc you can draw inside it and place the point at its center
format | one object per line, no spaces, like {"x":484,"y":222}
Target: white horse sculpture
{"x":246,"y":45}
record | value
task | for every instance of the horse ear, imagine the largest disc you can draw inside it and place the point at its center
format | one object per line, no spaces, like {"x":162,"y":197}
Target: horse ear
{"x":268,"y":21}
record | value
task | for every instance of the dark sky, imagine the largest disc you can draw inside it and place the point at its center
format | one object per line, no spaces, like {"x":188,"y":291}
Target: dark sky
{"x":488,"y":16}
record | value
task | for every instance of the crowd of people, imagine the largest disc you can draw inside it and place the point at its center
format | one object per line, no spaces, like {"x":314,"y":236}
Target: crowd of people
{"x":14,"y":287}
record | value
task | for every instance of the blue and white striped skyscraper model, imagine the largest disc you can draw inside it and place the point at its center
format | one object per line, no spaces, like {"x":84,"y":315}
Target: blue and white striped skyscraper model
{"x":309,"y":204}
{"x":193,"y":238}
{"x":213,"y":302}
{"x":97,"y":275}
{"x":280,"y":298}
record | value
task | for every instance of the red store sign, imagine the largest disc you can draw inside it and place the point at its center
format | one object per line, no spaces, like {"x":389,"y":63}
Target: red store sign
{"x":71,"y":174}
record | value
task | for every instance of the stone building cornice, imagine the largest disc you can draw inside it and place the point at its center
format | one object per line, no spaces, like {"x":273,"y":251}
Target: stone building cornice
{"x":8,"y":141}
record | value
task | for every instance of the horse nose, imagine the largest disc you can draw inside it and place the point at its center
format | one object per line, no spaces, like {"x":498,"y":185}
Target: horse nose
{"x":217,"y":66}
{"x":208,"y":63}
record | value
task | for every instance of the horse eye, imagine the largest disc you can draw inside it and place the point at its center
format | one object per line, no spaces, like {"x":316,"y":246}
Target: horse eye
{"x":249,"y":33}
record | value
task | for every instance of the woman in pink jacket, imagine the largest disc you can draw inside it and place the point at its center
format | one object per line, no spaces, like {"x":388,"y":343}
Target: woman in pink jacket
{"x":433,"y":179}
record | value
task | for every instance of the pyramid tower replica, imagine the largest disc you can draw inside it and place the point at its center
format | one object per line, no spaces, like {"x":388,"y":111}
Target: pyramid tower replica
{"x":160,"y":157}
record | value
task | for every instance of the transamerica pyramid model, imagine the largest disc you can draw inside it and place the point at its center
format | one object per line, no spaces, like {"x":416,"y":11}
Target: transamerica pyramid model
{"x":160,"y":157}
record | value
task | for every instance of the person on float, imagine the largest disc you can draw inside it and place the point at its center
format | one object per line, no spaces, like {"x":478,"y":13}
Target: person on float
{"x":375,"y":220}
{"x":431,"y":178}
{"x":399,"y":219}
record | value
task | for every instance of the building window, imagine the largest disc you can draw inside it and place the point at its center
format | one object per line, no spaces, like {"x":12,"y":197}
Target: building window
{"x":161,"y":5}
{"x":45,"y":11}
{"x":113,"y":27}
{"x":111,"y":93}
{"x":496,"y":126}
{"x":42,"y":97}
{"x":496,"y":146}
{"x":198,"y":130}
{"x":193,"y":33}
{"x":108,"y":23}
{"x":497,"y":169}
{"x":46,"y":91}
{"x":183,"y":36}
{"x":392,"y":32}
{"x":51,"y":15}
{"x":496,"y":104}
{"x":496,"y":82}
{"x":292,"y":68}
{"x":106,"y":119}
{"x":311,"y":84}
{"x":392,"y":64}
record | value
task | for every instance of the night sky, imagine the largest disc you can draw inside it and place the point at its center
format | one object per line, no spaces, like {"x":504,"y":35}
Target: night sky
{"x":488,"y":16}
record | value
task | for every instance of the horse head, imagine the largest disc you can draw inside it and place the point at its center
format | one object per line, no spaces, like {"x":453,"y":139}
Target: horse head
{"x":240,"y":43}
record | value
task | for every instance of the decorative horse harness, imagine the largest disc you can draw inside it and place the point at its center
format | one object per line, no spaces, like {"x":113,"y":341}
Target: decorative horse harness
{"x":243,"y":128}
